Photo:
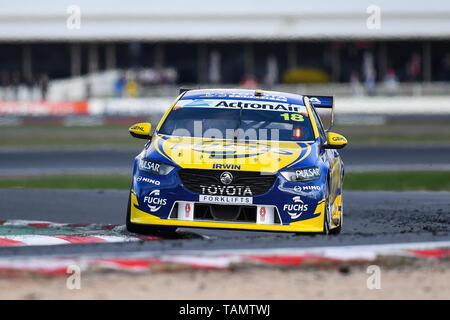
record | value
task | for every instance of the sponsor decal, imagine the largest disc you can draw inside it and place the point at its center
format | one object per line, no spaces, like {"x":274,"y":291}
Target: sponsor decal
{"x":295,"y":209}
{"x":292,"y":117}
{"x":338,"y":139}
{"x":150,"y":166}
{"x":154,"y":200}
{"x":259,"y":106}
{"x":148,"y":180}
{"x":234,"y":95}
{"x":306,"y":188}
{"x":227,"y":166}
{"x":308,"y":173}
{"x":226,"y":177}
{"x":197,"y":103}
{"x":225,"y":199}
{"x":314,"y":100}
{"x":136,"y":127}
{"x":262,"y":213}
{"x":187,"y":209}
{"x":226,"y":190}
{"x":217,"y":150}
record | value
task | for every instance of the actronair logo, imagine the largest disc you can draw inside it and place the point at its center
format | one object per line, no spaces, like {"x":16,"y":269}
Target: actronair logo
{"x":260,"y":106}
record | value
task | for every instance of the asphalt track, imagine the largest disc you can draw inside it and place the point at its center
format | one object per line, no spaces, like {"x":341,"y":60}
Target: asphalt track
{"x":370,"y":218}
{"x":15,"y":162}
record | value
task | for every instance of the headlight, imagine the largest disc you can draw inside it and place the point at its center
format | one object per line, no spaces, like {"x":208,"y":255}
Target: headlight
{"x":303,"y":174}
{"x":155,"y":167}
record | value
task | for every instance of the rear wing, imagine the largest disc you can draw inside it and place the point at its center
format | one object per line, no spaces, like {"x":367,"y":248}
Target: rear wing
{"x":326,"y":102}
{"x":184,"y":89}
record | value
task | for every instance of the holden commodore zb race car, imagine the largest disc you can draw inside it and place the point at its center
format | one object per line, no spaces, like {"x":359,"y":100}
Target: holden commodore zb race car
{"x":238,"y":159}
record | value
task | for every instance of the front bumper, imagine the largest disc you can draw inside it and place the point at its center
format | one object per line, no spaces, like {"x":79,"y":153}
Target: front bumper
{"x":299,"y":207}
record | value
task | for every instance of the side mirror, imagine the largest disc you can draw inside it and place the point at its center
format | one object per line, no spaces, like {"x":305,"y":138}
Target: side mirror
{"x":141,"y":130}
{"x":335,"y":141}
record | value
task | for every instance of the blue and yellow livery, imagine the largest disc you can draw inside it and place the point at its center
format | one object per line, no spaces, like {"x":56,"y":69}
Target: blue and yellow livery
{"x":238,"y":159}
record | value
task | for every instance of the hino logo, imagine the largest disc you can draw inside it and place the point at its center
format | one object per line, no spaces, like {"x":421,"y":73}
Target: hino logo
{"x":227,"y":190}
{"x":226,"y":178}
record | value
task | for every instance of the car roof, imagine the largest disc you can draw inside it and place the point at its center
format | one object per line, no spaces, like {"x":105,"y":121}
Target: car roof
{"x":244,"y":94}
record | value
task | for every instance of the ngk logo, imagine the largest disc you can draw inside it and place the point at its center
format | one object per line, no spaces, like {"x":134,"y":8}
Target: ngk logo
{"x":296,"y":209}
{"x":262,"y":214}
{"x":187,"y":210}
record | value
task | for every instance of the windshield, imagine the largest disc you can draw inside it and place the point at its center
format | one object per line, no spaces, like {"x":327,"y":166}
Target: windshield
{"x":238,"y":123}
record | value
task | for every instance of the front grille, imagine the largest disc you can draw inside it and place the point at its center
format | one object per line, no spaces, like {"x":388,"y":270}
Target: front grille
{"x":224,"y":213}
{"x":200,"y":181}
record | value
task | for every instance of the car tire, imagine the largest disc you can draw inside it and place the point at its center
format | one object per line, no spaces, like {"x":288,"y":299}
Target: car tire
{"x":327,"y":214}
{"x":145,"y":229}
{"x":337,"y":230}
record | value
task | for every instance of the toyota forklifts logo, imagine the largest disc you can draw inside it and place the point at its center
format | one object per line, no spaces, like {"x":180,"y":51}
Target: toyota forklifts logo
{"x":226,"y":178}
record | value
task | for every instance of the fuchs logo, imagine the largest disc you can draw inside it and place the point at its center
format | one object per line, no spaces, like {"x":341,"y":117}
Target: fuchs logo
{"x":226,"y":178}
{"x":154,"y":201}
{"x":296,"y":209}
{"x":227,"y":190}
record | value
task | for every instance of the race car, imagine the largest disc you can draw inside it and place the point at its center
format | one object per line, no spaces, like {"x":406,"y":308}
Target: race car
{"x":238,"y":159}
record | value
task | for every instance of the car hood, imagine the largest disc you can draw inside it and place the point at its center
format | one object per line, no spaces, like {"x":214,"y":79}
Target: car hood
{"x":219,"y":154}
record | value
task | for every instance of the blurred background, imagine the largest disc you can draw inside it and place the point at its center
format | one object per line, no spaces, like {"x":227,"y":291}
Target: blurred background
{"x":78,"y":73}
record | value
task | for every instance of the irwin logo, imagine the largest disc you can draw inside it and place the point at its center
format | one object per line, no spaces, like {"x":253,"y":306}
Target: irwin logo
{"x":227,"y":166}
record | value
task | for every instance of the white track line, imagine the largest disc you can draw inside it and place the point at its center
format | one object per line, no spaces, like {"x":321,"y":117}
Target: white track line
{"x":36,"y":240}
{"x":338,"y":252}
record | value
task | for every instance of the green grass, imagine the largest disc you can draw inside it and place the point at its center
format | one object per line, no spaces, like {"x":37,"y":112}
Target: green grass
{"x":420,"y":180}
{"x":69,"y":182}
{"x":429,"y":180}
{"x":401,"y":133}
{"x":55,"y":136}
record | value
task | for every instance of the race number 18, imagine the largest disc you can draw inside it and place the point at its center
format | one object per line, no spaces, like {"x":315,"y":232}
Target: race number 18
{"x":292,"y":116}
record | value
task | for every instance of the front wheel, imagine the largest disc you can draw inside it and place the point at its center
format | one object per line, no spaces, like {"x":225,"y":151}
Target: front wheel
{"x":327,"y":219}
{"x":327,"y":213}
{"x":337,"y":230}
